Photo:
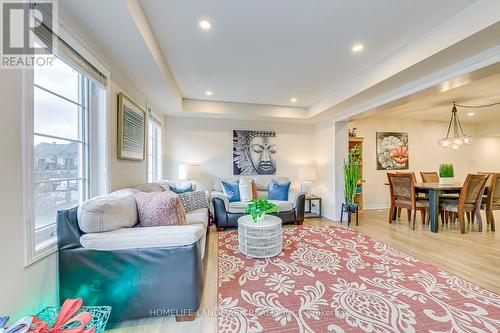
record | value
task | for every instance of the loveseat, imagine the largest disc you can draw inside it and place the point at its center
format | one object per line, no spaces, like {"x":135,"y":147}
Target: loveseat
{"x":139,"y":272}
{"x":226,"y":213}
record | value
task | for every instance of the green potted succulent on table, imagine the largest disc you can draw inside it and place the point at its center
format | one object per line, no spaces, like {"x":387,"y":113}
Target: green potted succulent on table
{"x":446,"y":174}
{"x":258,"y":209}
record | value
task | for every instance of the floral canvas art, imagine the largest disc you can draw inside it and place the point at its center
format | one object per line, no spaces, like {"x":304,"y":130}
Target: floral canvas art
{"x":392,"y":151}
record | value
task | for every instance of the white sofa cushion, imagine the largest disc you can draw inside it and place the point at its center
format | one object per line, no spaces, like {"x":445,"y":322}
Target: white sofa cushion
{"x":152,"y":237}
{"x":239,"y":207}
{"x":108,"y":212}
{"x":143,"y":238}
{"x":149,"y":187}
{"x":245,"y":189}
{"x":198,"y":216}
{"x":261,"y":181}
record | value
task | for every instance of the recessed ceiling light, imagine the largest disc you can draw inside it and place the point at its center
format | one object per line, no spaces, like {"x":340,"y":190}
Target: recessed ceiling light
{"x":470,"y":114}
{"x":205,"y":25}
{"x":357,"y":48}
{"x":208,"y":93}
{"x":293,"y":100}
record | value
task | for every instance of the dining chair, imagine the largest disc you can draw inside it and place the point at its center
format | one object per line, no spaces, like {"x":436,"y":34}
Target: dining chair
{"x":402,"y":188}
{"x":414,"y":180}
{"x":429,"y":176}
{"x":469,"y":200}
{"x":492,"y":200}
{"x":414,"y":176}
{"x":433,"y":177}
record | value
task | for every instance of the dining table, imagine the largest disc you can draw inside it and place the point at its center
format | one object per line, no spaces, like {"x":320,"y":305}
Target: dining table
{"x":435,"y":191}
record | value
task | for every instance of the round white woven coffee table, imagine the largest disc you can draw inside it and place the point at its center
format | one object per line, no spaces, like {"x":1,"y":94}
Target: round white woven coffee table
{"x":261,"y":239}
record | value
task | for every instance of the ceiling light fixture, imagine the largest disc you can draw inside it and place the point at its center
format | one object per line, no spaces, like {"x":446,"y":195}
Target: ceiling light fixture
{"x":205,"y":25}
{"x":208,"y":93}
{"x":293,"y":100}
{"x":458,"y":137}
{"x":357,"y":48}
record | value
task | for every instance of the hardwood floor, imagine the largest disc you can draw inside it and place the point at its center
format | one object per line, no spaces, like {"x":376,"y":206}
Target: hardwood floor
{"x":474,"y":256}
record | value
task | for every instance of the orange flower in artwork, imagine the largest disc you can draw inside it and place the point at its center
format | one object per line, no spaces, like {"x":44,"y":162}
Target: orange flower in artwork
{"x":400,"y":154}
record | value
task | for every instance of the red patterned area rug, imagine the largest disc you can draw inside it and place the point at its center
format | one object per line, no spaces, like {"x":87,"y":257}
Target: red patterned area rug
{"x":333,"y":279}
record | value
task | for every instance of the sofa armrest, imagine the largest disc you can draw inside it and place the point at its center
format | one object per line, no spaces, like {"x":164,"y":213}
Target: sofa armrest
{"x":68,"y":231}
{"x":220,"y":204}
{"x":222,"y":196}
{"x":294,"y":197}
{"x":298,"y":198}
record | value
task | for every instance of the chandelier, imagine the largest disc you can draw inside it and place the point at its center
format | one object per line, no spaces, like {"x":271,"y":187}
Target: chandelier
{"x":459,"y":138}
{"x":455,"y":137}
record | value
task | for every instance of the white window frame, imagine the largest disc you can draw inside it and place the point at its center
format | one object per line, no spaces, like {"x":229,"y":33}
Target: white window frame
{"x":32,"y":254}
{"x":154,"y":121}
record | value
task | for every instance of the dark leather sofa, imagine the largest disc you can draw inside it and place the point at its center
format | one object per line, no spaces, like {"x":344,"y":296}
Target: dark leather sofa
{"x":136,"y":283}
{"x":226,"y":215}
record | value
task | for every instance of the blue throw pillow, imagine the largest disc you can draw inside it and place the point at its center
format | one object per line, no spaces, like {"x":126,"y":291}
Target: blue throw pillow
{"x":278,"y":191}
{"x":232,"y":190}
{"x":185,"y":188}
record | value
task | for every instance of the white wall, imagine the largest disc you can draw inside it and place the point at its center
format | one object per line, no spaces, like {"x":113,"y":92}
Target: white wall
{"x":22,"y":290}
{"x":26,"y":290}
{"x":324,"y":153}
{"x":208,"y":142}
{"x":487,"y":153}
{"x":124,"y":173}
{"x":425,"y":154}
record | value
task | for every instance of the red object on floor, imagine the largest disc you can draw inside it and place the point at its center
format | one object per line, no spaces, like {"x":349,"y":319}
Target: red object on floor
{"x":67,"y":315}
{"x":334,"y":279}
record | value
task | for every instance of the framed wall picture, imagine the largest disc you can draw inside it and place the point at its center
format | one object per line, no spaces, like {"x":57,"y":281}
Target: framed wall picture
{"x":254,"y":152}
{"x":392,"y":151}
{"x":131,"y":129}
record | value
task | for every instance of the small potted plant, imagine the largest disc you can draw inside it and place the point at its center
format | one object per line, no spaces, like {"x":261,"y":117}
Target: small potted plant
{"x":446,"y":174}
{"x":260,"y":207}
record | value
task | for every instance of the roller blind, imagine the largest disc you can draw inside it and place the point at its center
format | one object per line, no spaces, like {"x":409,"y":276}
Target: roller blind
{"x":74,"y":59}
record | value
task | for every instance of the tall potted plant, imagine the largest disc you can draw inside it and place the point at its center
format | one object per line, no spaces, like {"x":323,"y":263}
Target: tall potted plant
{"x":351,"y":179}
{"x":446,"y":174}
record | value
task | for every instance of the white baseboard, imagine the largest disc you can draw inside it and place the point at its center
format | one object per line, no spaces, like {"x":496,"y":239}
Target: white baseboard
{"x":375,"y":207}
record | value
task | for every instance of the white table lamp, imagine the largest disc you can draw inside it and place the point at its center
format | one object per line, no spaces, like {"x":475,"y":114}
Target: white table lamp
{"x":189,"y":172}
{"x":306,"y":175}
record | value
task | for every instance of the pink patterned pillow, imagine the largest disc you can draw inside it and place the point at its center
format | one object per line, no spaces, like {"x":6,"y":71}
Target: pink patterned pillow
{"x":159,"y":209}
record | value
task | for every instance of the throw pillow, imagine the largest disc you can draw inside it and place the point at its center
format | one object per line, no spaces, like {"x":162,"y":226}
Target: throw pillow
{"x":194,"y":200}
{"x":245,"y":190}
{"x":165,"y":184}
{"x":184,"y":188}
{"x":231,"y":190}
{"x":254,"y":189}
{"x":278,"y":191}
{"x":159,"y":209}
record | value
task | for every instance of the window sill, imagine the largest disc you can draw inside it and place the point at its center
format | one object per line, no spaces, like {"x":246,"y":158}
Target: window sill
{"x":43,"y":250}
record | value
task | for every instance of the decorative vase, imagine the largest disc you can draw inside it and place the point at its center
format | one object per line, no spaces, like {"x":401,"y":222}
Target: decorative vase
{"x":446,"y":180}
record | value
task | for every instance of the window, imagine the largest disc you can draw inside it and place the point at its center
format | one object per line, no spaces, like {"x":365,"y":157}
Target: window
{"x":60,"y":145}
{"x":65,"y":140}
{"x":154,"y":150}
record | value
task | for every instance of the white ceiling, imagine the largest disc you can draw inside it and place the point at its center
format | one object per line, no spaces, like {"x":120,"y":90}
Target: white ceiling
{"x":438,"y":106}
{"x":267,"y":51}
{"x":261,"y":53}
{"x":110,"y":24}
